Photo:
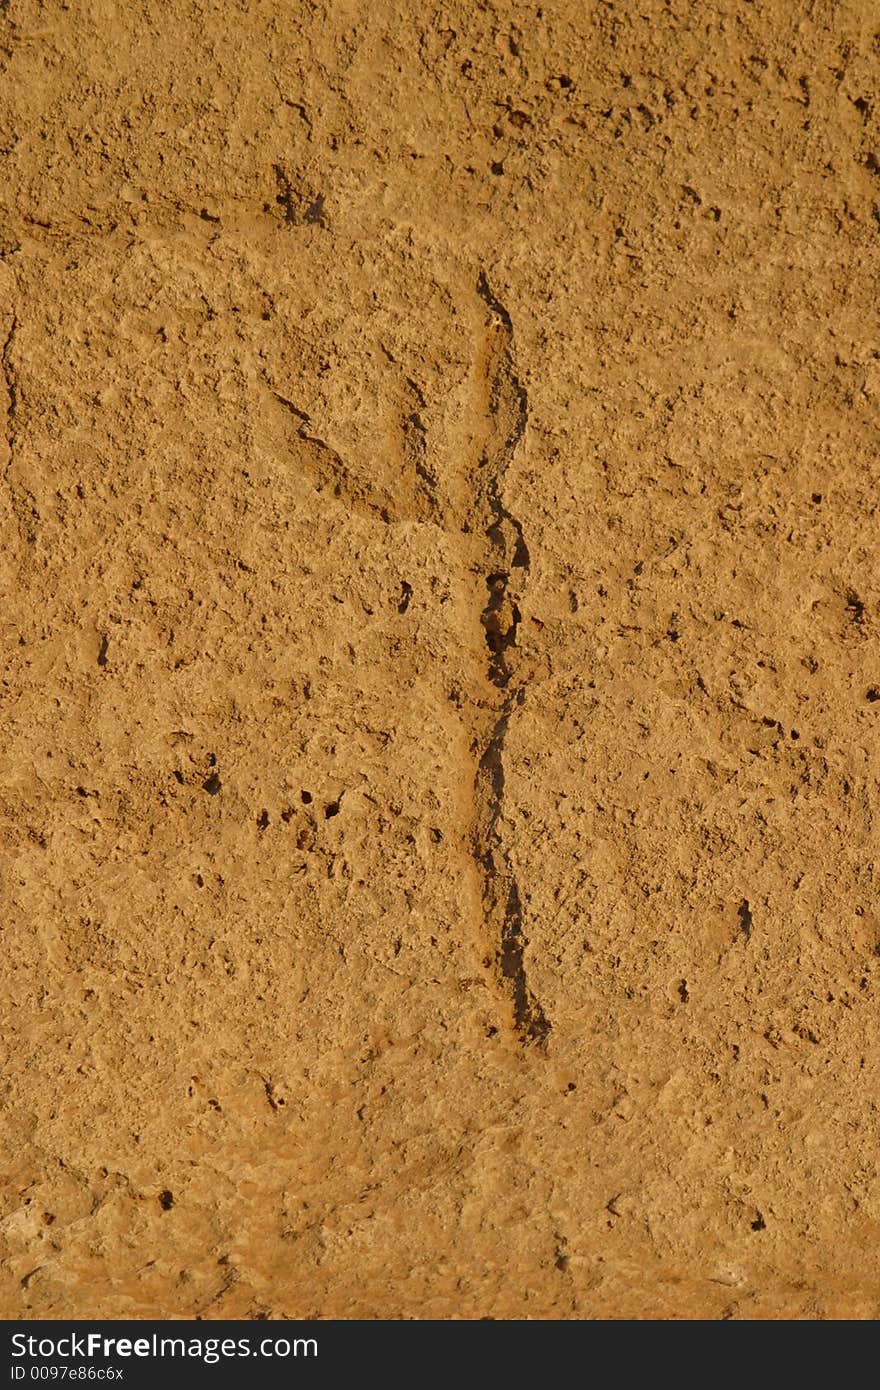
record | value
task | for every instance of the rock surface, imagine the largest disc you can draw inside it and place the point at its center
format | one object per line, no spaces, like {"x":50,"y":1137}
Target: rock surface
{"x":441,"y":680}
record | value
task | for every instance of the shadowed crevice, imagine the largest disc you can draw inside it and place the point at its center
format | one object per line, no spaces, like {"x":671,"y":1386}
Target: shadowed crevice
{"x":507,"y":552}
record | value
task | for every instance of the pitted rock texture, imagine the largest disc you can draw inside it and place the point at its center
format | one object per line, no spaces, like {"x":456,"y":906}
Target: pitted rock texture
{"x":441,"y":679}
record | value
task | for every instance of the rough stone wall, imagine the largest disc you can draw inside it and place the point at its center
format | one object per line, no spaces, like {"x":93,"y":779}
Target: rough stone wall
{"x":440,"y":677}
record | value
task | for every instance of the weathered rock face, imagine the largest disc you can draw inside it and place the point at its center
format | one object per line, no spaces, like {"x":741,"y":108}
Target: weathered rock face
{"x":441,"y":683}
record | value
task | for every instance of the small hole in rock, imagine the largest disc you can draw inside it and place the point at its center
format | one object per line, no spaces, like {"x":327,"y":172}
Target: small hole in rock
{"x":166,"y":1200}
{"x":855,"y":605}
{"x":314,"y":213}
{"x":306,"y":798}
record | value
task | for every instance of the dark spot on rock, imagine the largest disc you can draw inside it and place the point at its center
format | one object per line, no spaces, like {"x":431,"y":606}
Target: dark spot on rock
{"x":855,"y":605}
{"x":314,"y":213}
{"x":212,"y":784}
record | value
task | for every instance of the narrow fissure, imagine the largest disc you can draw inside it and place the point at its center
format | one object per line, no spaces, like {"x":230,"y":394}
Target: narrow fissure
{"x":11,"y":386}
{"x":507,"y":564}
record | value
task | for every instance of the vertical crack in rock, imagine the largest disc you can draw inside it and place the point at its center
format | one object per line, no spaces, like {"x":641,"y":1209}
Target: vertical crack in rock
{"x":507,"y":564}
{"x":11,"y":388}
